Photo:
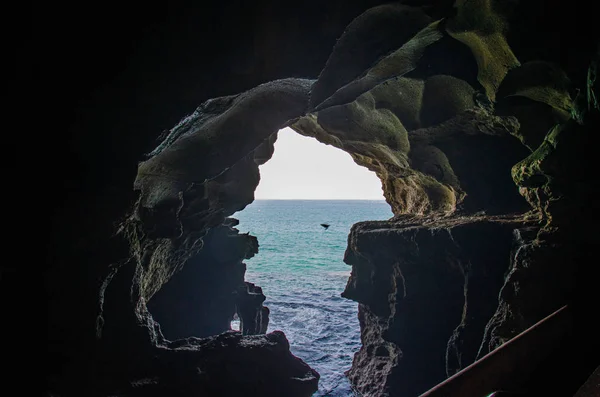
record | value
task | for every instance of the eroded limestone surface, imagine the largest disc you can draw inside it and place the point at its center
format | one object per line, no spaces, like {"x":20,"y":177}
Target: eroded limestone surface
{"x":426,"y":288}
{"x":179,"y":233}
{"x":468,"y":144}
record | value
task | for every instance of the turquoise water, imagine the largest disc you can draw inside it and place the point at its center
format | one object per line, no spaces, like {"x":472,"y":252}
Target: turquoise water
{"x":301,"y":271}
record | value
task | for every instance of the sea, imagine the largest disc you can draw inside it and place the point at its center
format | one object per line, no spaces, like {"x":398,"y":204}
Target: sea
{"x":301,"y":271}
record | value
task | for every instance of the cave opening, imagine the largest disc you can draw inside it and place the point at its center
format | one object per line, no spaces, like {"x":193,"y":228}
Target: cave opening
{"x":309,"y":196}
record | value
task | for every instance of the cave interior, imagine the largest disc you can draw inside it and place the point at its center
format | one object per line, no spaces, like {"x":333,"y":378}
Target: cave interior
{"x":478,"y":117}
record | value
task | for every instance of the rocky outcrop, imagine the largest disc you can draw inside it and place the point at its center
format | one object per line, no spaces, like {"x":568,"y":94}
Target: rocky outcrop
{"x":254,"y":317}
{"x":431,"y":303}
{"x":415,"y":124}
{"x":196,"y":177}
{"x":371,"y":35}
{"x":201,"y":299}
{"x":227,"y":364}
{"x":426,"y":288}
{"x":181,"y":239}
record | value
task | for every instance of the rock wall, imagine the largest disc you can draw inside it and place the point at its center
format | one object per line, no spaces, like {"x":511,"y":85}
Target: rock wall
{"x":444,"y":282}
{"x":485,"y":155}
{"x":201,"y":299}
{"x":180,"y":238}
{"x":426,"y":288}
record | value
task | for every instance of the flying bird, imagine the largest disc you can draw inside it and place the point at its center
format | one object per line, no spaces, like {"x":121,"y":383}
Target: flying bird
{"x":325,"y":225}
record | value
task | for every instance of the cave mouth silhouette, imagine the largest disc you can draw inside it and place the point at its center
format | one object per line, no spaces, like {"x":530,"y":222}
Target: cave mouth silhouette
{"x":305,"y":302}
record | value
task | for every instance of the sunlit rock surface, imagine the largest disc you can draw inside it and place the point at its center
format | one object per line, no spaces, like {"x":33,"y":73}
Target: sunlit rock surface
{"x":420,"y":126}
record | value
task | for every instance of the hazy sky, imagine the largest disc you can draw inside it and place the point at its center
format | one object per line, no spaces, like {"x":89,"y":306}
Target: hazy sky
{"x":303,"y":168}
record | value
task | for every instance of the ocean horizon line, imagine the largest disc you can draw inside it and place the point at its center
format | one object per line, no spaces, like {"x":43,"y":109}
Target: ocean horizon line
{"x":316,"y":199}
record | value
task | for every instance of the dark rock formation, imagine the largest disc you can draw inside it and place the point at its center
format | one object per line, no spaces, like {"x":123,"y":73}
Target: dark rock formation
{"x":373,"y":34}
{"x":200,"y":299}
{"x":96,"y":295}
{"x":553,"y":269}
{"x":426,"y":288}
{"x":254,"y":317}
{"x":416,"y":125}
{"x":228,"y":364}
{"x":478,"y":125}
{"x":189,"y":185}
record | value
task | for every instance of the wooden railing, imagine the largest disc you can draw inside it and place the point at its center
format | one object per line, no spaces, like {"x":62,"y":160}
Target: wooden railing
{"x":509,"y":365}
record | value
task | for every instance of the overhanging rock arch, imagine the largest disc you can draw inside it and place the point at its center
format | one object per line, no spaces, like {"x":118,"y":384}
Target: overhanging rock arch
{"x":441,"y":138}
